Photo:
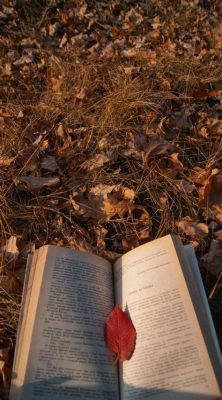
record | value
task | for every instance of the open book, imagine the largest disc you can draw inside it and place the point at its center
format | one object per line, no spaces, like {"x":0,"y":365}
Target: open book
{"x":61,"y":353}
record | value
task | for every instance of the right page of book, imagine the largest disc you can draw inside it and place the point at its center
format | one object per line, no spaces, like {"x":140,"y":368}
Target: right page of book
{"x":170,"y":360}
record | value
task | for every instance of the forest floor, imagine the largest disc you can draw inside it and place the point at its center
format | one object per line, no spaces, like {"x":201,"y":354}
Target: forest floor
{"x":110,"y":135}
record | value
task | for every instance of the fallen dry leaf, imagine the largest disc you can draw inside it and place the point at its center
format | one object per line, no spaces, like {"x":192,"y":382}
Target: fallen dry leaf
{"x":63,"y":41}
{"x":203,"y":94}
{"x":20,"y":114}
{"x":60,"y":131}
{"x":158,"y":147}
{"x":56,"y":84}
{"x":6,"y":161}
{"x":185,"y":186}
{"x":156,"y":22}
{"x":133,"y":240}
{"x":217,"y":234}
{"x":81,"y":94}
{"x":217,"y":210}
{"x":82,"y":244}
{"x":212,"y":260}
{"x":103,"y":143}
{"x":49,"y":164}
{"x":142,"y":146}
{"x":199,"y":175}
{"x":192,"y":229}
{"x":36,"y":182}
{"x":103,"y":202}
{"x":182,"y":119}
{"x":100,"y":233}
{"x":111,"y":256}
{"x":95,"y":162}
{"x":178,"y":165}
{"x":141,"y":224}
{"x":43,"y":146}
{"x":121,"y":192}
{"x":129,"y":53}
{"x":213,"y":190}
{"x":7,"y":70}
{"x":53,"y":29}
{"x":141,"y":141}
{"x":120,"y":334}
{"x":209,"y":126}
{"x":11,"y":251}
{"x":169,"y":166}
{"x":102,"y":190}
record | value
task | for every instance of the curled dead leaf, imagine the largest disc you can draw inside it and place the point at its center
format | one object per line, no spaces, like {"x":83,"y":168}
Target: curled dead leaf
{"x":11,"y":248}
{"x":158,"y":147}
{"x":199,"y":175}
{"x":53,"y":29}
{"x":194,"y":230}
{"x":218,"y":234}
{"x":212,"y":195}
{"x":33,"y":183}
{"x":212,"y":260}
{"x":11,"y":251}
{"x":214,"y":213}
{"x":169,"y":166}
{"x":218,"y":214}
{"x":63,"y":41}
{"x":142,"y":146}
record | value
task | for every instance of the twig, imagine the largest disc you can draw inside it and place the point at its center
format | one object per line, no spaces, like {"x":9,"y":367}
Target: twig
{"x":216,"y":286}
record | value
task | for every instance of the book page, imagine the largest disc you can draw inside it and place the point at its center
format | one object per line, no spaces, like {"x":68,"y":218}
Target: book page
{"x":26,"y":294}
{"x":170,"y":360}
{"x":194,"y":270}
{"x":65,"y":356}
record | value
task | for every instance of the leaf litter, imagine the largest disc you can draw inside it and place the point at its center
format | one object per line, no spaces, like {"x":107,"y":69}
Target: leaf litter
{"x":102,"y":202}
{"x":107,"y":139}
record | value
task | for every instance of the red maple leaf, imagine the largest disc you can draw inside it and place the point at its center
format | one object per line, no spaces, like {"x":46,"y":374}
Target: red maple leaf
{"x":120,"y":334}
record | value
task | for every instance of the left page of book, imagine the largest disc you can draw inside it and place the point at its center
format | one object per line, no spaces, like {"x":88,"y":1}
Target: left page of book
{"x":63,"y":353}
{"x":27,"y":288}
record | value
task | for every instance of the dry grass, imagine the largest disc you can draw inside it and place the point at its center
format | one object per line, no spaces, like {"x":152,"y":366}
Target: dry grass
{"x":116,"y":107}
{"x":10,"y":307}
